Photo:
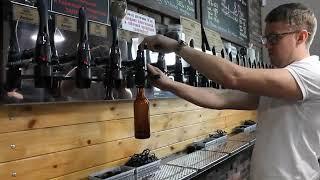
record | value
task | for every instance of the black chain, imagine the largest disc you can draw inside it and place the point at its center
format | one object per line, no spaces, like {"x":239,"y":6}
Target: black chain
{"x":141,"y":159}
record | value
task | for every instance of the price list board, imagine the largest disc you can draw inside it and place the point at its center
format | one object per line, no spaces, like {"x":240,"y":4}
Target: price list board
{"x":97,"y":10}
{"x":175,"y":8}
{"x":228,"y":17}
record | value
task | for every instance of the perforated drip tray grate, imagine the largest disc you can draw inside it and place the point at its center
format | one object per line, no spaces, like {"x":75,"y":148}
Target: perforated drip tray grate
{"x":170,"y":172}
{"x":245,"y":137}
{"x":228,"y":147}
{"x":198,"y":160}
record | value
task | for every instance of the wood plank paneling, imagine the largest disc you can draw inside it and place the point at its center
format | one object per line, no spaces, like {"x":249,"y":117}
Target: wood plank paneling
{"x":57,"y":164}
{"x":28,"y":117}
{"x":31,"y":143}
{"x":70,"y":141}
{"x":48,"y":140}
{"x":160,"y":152}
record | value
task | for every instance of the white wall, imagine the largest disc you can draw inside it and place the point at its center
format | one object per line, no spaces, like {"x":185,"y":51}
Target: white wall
{"x":313,"y":4}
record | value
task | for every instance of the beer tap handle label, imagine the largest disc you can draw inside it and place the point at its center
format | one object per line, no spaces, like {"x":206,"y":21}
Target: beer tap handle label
{"x":98,"y":29}
{"x":25,"y":14}
{"x":66,"y":23}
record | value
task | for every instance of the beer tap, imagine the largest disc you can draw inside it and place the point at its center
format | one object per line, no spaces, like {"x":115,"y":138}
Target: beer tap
{"x":223,"y":56}
{"x":113,"y":70}
{"x":56,"y":68}
{"x":244,"y":61}
{"x":193,"y":74}
{"x":238,"y":59}
{"x":176,"y":70}
{"x":52,"y":31}
{"x":213,"y":51}
{"x":140,"y":67}
{"x":213,"y":84}
{"x":43,"y":68}
{"x":161,"y":63}
{"x":230,"y":57}
{"x":223,"y":53}
{"x":83,"y":71}
{"x":254,"y":65}
{"x":249,"y":63}
{"x":204,"y":80}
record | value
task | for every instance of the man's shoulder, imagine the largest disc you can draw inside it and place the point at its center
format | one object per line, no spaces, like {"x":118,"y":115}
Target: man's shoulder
{"x":309,"y":64}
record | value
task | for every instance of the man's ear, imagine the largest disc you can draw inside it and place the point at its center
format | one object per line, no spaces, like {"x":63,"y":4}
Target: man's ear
{"x":302,"y":37}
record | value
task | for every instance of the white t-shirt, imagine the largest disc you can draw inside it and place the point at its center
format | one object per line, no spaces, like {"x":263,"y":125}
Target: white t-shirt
{"x":288,"y":132}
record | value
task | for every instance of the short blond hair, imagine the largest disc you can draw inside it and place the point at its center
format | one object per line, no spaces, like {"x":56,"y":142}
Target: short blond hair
{"x":296,"y":15}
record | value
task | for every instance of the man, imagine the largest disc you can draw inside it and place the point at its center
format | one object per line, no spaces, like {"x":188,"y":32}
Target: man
{"x":287,"y":98}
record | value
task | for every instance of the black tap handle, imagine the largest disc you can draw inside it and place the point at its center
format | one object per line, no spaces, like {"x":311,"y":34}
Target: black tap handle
{"x":161,"y":63}
{"x":191,"y":44}
{"x":244,"y":61}
{"x":115,"y":53}
{"x":140,"y":69}
{"x":213,"y":51}
{"x":43,"y":68}
{"x":52,"y":30}
{"x":83,"y":24}
{"x":223,"y":53}
{"x":193,"y":73}
{"x":42,"y":6}
{"x":238,"y":59}
{"x":114,"y":27}
{"x":129,"y":44}
{"x":42,"y":43}
{"x":203,"y":47}
{"x":83,"y":71}
{"x":230,"y":57}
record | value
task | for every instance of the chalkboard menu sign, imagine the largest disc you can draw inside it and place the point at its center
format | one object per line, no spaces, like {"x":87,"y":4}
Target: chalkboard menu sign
{"x":97,"y":10}
{"x":174,"y":8}
{"x":228,"y":17}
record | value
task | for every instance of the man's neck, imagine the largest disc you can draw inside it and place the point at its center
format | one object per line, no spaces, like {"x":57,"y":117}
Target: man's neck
{"x":300,"y":54}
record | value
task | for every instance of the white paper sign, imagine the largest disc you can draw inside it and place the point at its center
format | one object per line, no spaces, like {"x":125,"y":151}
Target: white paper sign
{"x":139,"y":23}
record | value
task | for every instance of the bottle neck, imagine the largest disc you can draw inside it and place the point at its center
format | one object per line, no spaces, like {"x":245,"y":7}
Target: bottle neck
{"x":140,"y":93}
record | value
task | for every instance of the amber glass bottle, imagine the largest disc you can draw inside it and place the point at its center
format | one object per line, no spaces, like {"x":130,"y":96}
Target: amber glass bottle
{"x":141,"y":115}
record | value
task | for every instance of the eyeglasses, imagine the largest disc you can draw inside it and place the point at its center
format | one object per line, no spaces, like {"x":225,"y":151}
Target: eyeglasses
{"x":274,"y":38}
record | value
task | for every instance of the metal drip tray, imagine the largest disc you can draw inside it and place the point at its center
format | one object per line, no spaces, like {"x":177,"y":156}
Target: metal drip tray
{"x":198,"y":160}
{"x":169,"y":172}
{"x":245,"y":137}
{"x":228,"y":147}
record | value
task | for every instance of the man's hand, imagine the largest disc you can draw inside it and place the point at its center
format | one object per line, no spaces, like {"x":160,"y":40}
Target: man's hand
{"x":162,"y":81}
{"x":14,"y":94}
{"x":159,"y":43}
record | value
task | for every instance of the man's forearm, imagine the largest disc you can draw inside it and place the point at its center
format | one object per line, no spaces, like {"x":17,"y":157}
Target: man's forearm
{"x":198,"y":96}
{"x":218,"y":69}
{"x":214,"y":98}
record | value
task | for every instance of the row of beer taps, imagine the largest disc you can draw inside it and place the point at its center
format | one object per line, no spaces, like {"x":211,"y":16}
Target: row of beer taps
{"x":48,"y":64}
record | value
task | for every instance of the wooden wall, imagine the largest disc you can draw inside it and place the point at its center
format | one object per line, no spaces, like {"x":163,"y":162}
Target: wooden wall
{"x":70,"y":141}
